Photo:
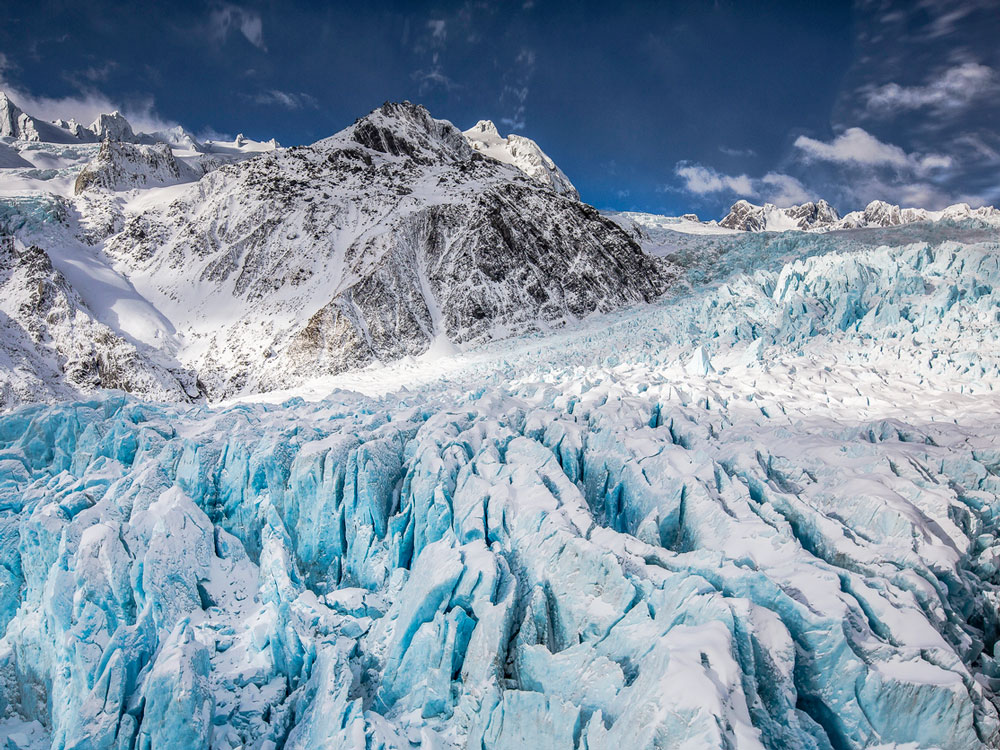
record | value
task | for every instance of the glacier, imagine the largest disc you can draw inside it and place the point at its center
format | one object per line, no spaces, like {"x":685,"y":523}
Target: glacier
{"x":759,"y":512}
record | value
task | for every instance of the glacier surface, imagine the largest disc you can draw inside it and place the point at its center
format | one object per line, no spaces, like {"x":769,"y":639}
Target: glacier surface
{"x":759,"y":514}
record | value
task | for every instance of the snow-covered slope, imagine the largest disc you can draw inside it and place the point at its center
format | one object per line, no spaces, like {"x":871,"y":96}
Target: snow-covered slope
{"x":523,"y":153}
{"x":51,"y":345}
{"x":392,"y":238}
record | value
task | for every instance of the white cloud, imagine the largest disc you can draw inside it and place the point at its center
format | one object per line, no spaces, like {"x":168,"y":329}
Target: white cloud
{"x":853,"y":145}
{"x":953,"y":89}
{"x":737,"y":151}
{"x":780,"y":189}
{"x":703,"y":180}
{"x":859,"y":147}
{"x":912,"y":193}
{"x":248,"y":22}
{"x":286,"y":99}
{"x":439,"y":29}
{"x":784,"y":190}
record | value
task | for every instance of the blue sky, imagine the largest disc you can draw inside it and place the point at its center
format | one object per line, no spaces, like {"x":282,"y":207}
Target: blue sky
{"x":667,"y":107}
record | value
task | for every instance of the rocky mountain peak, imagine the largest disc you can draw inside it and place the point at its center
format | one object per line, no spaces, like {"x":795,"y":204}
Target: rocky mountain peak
{"x":15,"y":123}
{"x":813,"y":214}
{"x":744,"y":216}
{"x":406,"y":129}
{"x":121,"y":165}
{"x":485,"y":127}
{"x":112,"y":126}
{"x":9,"y":114}
{"x":882,"y":213}
{"x":371,"y":245}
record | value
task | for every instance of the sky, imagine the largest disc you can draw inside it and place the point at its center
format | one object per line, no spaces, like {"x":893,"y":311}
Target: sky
{"x":666,"y":107}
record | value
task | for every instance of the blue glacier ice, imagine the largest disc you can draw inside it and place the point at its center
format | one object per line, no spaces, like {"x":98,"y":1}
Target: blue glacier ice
{"x":791,"y":544}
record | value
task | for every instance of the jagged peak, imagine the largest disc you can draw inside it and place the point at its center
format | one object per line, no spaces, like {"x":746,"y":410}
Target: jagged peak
{"x":407,"y":129}
{"x":748,"y":216}
{"x":112,"y":125}
{"x":486,"y":127}
{"x":820,"y":215}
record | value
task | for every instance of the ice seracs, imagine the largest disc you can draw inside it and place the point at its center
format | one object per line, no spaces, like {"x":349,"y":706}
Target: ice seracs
{"x":581,"y":542}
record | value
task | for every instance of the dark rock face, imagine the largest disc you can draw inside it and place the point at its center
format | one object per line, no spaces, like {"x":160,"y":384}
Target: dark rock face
{"x":744,"y":216}
{"x":812,"y":215}
{"x":405,"y":129}
{"x":376,"y":242}
{"x":747,"y":217}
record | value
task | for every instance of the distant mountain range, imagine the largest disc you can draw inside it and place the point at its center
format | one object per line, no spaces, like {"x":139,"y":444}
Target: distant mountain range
{"x":821,"y":216}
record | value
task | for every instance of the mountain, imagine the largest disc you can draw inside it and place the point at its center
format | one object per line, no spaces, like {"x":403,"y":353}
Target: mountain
{"x":523,"y":153}
{"x":747,"y":217}
{"x":112,"y":127}
{"x":882,"y":214}
{"x":393,"y":238}
{"x":121,"y":165}
{"x":16,"y":124}
{"x":821,"y":216}
{"x":115,"y":127}
{"x":369,"y":246}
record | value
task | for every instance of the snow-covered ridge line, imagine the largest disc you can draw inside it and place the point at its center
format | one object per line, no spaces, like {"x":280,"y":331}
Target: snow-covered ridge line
{"x":113,"y":126}
{"x":523,"y":153}
{"x":817,"y":216}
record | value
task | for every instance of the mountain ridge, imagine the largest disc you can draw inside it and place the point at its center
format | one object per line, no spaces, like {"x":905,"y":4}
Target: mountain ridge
{"x":388,"y":239}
